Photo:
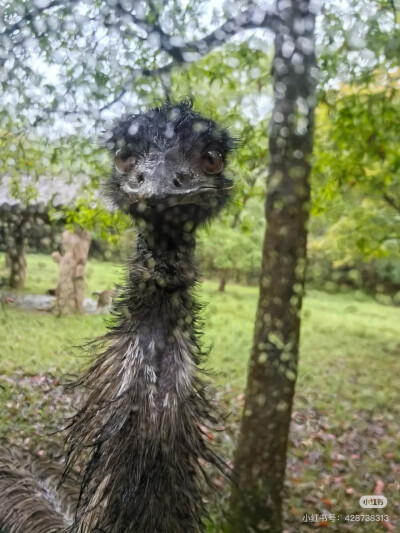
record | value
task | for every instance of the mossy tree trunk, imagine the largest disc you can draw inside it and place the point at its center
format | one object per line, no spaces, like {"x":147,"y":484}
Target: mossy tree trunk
{"x":16,"y":249}
{"x":17,"y":263}
{"x":21,"y":227}
{"x":260,"y":457}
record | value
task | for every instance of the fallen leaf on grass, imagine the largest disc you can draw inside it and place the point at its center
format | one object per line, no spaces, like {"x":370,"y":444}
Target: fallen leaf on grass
{"x":379,"y":486}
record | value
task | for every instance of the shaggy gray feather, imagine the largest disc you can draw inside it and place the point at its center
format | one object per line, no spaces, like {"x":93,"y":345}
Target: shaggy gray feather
{"x":30,"y":500}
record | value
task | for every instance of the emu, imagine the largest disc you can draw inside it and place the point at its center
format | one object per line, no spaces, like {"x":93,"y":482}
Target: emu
{"x":139,"y":428}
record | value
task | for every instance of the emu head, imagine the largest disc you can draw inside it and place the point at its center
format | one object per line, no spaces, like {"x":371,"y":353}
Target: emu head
{"x":169,"y":166}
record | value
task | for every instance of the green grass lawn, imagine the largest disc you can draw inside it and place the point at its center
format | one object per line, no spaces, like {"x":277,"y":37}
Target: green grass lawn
{"x":42,"y":273}
{"x":346,"y":425}
{"x":350,"y":344}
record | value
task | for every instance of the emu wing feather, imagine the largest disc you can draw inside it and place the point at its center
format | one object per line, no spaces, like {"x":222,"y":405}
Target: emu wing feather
{"x":30,"y":501}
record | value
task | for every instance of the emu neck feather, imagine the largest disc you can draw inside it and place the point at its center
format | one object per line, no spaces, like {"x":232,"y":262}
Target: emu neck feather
{"x":146,"y":404}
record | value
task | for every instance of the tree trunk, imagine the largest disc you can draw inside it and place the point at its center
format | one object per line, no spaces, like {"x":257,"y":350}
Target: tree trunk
{"x":17,"y":263}
{"x":222,"y":281}
{"x":260,"y":457}
{"x":71,"y":281}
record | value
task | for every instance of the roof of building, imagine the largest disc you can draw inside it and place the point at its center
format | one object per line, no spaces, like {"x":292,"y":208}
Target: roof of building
{"x":43,"y":191}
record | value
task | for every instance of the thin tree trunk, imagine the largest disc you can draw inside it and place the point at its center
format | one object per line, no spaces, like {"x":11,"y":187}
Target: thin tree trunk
{"x":222,"y":280}
{"x":224,"y":275}
{"x":17,"y":264}
{"x":260,"y":457}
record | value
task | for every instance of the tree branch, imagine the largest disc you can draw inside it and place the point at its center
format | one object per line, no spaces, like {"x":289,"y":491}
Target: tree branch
{"x":180,"y":52}
{"x":251,"y":19}
{"x":391,"y":202}
{"x":188,"y":52}
{"x":177,"y":49}
{"x":114,"y":101}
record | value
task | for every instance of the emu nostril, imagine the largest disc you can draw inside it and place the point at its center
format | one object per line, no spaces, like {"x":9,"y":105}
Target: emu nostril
{"x":140,"y":178}
{"x":176,"y":182}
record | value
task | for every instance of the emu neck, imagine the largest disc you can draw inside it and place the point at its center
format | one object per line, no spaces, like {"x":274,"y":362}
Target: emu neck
{"x":146,"y":401}
{"x":164,"y":262}
{"x":159,"y":237}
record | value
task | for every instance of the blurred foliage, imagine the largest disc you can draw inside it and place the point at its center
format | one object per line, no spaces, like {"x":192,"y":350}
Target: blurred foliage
{"x":234,"y":250}
{"x":72,"y":159}
{"x":356,"y":190}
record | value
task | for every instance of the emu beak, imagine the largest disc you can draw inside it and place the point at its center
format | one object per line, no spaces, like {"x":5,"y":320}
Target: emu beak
{"x":162,"y":186}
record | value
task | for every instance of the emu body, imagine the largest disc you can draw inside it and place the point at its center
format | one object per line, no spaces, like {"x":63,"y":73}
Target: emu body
{"x":138,"y":430}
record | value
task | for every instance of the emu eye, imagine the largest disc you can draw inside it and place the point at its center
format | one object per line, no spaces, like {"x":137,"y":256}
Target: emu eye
{"x":212,"y":162}
{"x":124,"y":162}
